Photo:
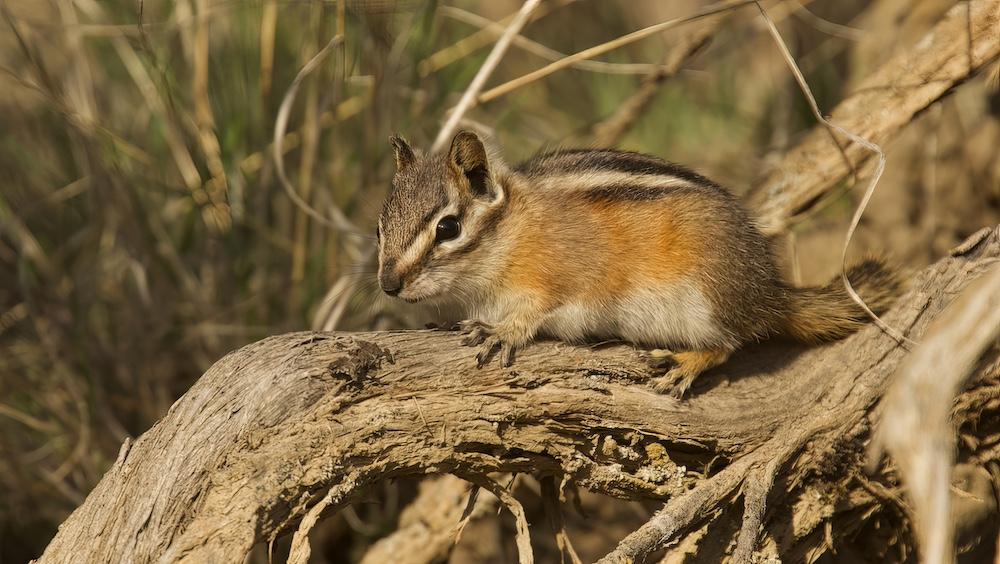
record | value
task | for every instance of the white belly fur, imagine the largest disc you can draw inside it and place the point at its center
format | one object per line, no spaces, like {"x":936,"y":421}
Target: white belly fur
{"x":675,"y":315}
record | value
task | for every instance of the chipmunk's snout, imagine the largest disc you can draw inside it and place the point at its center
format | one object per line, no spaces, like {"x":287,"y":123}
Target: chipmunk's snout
{"x":389,"y":279}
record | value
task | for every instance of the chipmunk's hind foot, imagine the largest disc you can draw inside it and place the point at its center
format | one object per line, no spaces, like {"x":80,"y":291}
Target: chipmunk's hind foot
{"x":682,"y":368}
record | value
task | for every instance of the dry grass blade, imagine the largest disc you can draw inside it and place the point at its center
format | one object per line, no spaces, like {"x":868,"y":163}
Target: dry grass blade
{"x":472,"y":92}
{"x":869,"y":190}
{"x":916,"y":428}
{"x":826,"y":26}
{"x":268,"y":28}
{"x":307,"y":154}
{"x":609,"y":132}
{"x":339,"y":221}
{"x":471,"y":43}
{"x":510,"y":86}
{"x":542,"y":51}
{"x":147,"y":87}
{"x":217,"y":214}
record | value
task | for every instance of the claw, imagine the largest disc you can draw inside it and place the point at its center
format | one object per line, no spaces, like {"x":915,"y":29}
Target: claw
{"x":471,"y":325}
{"x":674,"y":381}
{"x":490,"y":344}
{"x":506,"y":355}
{"x":684,"y":367}
{"x":476,"y":332}
{"x":475,"y":337}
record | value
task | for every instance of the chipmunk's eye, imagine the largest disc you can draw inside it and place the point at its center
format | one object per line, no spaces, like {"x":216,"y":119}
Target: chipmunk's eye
{"x":447,"y":229}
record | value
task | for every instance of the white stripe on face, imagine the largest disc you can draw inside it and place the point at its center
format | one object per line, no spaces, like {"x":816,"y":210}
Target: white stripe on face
{"x":424,"y":241}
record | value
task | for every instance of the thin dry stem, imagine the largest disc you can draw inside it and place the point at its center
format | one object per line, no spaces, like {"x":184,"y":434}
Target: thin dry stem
{"x":300,"y":551}
{"x":510,"y":86}
{"x":525,"y":555}
{"x":610,"y":131}
{"x":216,"y":213}
{"x":338,"y":221}
{"x":307,"y":159}
{"x":869,"y":190}
{"x":268,"y":29}
{"x":471,"y":43}
{"x":535,"y":48}
{"x":550,"y":499}
{"x":755,"y":493}
{"x":472,"y":92}
{"x":467,"y":513}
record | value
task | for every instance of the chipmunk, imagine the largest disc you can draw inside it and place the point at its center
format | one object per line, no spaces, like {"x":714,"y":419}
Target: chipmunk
{"x":591,"y":245}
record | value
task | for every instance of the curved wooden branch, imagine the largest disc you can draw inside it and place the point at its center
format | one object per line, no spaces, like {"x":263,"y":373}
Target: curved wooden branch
{"x":281,"y":425}
{"x":964,"y":41}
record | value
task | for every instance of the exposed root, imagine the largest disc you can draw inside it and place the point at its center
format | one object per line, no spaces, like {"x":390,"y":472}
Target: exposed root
{"x":523,"y":538}
{"x":467,"y":513}
{"x":550,"y":497}
{"x":755,"y":491}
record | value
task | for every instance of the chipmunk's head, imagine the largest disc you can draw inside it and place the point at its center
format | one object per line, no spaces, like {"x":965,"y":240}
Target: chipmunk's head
{"x":437,"y":217}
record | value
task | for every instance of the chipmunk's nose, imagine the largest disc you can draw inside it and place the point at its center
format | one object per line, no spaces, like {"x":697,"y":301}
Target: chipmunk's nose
{"x":389,"y":279}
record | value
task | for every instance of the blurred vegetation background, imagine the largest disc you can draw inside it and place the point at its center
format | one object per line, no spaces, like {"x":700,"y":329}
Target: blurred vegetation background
{"x":144,"y":232}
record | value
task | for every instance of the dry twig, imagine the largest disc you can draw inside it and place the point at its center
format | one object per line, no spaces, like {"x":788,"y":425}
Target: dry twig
{"x":472,"y":92}
{"x":510,"y":86}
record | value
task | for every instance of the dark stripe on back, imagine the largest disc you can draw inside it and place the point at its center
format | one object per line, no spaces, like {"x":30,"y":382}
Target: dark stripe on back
{"x":634,"y":193}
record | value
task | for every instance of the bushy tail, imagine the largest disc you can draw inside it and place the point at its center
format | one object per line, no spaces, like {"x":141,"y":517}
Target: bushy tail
{"x":828,"y":313}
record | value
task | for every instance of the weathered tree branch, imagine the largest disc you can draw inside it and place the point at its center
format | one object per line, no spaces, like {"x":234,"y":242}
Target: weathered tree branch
{"x":916,"y":429}
{"x":963,"y":42}
{"x":277,"y":426}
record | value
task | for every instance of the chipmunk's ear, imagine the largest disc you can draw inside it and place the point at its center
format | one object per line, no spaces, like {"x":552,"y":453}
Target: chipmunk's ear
{"x":402,"y":151}
{"x":467,"y":158}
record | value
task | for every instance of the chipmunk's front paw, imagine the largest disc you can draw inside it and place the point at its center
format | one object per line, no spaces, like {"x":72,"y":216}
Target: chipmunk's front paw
{"x":475,"y":332}
{"x":486,"y":338}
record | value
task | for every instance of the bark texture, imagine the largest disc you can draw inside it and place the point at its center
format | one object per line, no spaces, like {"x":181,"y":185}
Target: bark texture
{"x":288,"y":429}
{"x":963,"y":42}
